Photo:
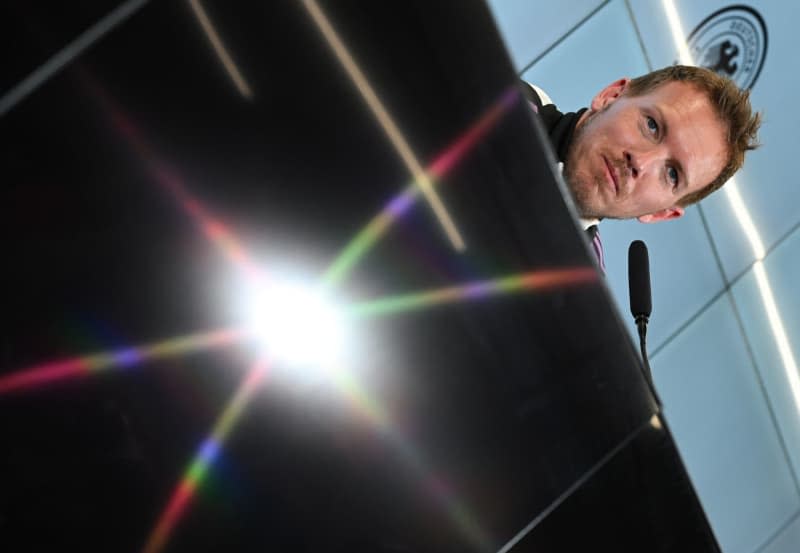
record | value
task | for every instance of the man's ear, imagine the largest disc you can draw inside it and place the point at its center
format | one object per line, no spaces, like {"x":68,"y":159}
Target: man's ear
{"x":666,"y":214}
{"x":609,"y":94}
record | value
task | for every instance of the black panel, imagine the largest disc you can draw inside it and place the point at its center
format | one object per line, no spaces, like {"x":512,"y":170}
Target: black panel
{"x":641,"y":500}
{"x":34,"y":31}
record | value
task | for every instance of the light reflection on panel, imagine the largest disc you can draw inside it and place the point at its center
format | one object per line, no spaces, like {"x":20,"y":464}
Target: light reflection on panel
{"x":783,"y":267}
{"x":233,"y":71}
{"x":571,"y":78}
{"x":767,"y":183}
{"x":719,"y":417}
{"x":528,"y":29}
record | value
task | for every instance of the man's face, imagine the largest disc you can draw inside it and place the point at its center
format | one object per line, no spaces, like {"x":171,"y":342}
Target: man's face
{"x":637,"y":156}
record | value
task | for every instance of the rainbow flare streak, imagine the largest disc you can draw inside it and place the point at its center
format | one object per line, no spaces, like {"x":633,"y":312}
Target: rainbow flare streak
{"x":87,"y":365}
{"x":533,"y":280}
{"x":205,"y":456}
{"x":213,"y":229}
{"x":400,"y":204}
{"x":386,"y":121}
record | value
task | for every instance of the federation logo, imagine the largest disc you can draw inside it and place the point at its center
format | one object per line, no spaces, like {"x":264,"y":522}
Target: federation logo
{"x":733,"y":42}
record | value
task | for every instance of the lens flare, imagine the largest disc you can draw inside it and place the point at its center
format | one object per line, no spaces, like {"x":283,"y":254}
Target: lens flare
{"x":206,"y":454}
{"x":421,"y":178}
{"x":87,"y":365}
{"x":435,"y":484}
{"x":170,"y":180}
{"x":400,"y":204}
{"x":298,"y":326}
{"x":534,"y":280}
{"x":222,"y":236}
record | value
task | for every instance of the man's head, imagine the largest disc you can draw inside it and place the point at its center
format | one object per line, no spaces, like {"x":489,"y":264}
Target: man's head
{"x":650,"y":146}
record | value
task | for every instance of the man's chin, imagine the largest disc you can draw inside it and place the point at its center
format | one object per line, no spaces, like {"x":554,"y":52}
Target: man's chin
{"x":583,"y":196}
{"x":586,"y":208}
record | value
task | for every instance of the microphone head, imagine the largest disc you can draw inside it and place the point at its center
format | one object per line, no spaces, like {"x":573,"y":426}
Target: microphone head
{"x":639,"y":279}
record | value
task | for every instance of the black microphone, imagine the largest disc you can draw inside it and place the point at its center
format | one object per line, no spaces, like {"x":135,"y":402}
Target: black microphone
{"x":641,"y":299}
{"x":639,"y":281}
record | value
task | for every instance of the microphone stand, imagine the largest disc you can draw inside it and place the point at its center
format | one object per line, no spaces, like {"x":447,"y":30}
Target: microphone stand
{"x":641,"y":303}
{"x":641,"y":327}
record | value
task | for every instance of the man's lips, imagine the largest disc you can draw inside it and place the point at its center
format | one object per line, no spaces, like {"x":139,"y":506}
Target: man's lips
{"x":612,"y":175}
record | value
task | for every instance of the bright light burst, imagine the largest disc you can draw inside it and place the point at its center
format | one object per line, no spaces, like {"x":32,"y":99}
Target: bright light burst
{"x":296,"y":325}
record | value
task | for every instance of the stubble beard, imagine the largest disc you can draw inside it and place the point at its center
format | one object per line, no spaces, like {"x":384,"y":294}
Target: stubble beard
{"x":584,"y":187}
{"x":579,"y":187}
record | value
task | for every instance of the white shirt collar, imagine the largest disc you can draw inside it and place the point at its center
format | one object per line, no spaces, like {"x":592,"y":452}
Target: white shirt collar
{"x":586,"y":223}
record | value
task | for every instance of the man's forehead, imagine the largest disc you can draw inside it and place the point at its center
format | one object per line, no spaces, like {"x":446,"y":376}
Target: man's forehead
{"x":675,"y":92}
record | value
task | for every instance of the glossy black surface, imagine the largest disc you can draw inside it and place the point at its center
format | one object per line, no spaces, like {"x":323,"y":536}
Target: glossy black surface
{"x":494,"y":407}
{"x":661,"y":513}
{"x":33,"y":32}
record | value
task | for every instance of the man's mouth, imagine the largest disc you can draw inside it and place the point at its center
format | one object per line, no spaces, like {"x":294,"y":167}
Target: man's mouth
{"x":612,"y":175}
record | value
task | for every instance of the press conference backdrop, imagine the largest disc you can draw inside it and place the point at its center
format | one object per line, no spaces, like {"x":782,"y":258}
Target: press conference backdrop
{"x":725,"y":331}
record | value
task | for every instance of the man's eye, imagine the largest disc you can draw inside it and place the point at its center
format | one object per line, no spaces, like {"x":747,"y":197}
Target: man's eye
{"x":652,"y":126}
{"x":672,"y":174}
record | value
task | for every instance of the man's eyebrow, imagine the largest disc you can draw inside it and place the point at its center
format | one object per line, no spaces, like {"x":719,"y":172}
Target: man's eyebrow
{"x":663,"y":120}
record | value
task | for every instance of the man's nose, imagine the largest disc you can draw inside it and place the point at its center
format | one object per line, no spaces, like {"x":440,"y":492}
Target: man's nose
{"x":641,"y":162}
